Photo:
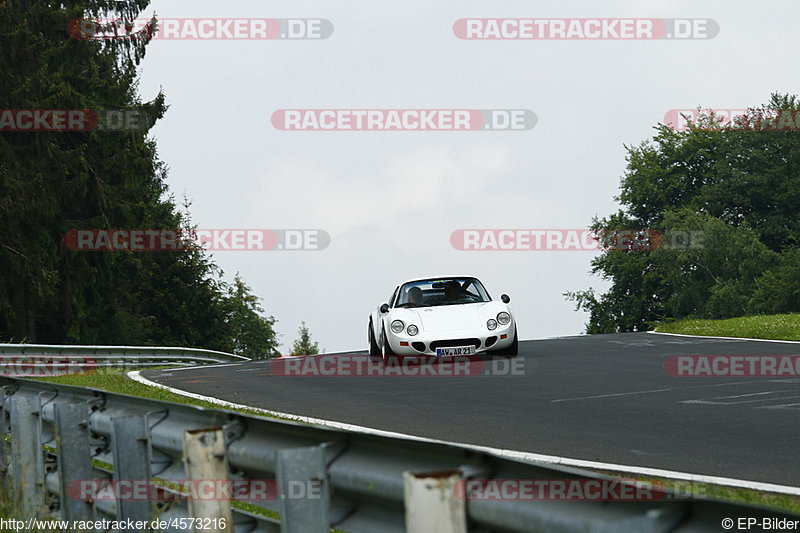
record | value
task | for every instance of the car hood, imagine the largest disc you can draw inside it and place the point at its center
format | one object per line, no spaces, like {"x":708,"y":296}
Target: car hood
{"x":451,"y":317}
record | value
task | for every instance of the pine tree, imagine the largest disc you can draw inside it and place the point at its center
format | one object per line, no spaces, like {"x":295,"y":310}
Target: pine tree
{"x":251,"y":334}
{"x":303,"y":344}
{"x":52,"y":182}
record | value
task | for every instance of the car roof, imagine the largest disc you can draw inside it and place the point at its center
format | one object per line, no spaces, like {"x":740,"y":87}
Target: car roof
{"x":425,"y":278}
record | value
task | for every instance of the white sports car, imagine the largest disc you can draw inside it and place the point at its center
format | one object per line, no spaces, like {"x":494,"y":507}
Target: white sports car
{"x":442,"y":317}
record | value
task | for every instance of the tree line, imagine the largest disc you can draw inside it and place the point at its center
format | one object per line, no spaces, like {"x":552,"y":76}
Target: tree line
{"x":731,"y":192}
{"x":55,"y":181}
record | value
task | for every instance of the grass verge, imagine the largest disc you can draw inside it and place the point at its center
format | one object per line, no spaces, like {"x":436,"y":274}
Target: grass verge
{"x":114,"y":380}
{"x":776,"y":327}
{"x":771,"y":501}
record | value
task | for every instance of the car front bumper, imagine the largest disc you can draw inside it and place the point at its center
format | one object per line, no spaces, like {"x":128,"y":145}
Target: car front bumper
{"x":424,"y":343}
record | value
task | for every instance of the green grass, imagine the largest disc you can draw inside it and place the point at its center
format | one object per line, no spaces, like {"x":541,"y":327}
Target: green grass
{"x":778,"y":327}
{"x":113,"y":380}
{"x":706,"y":491}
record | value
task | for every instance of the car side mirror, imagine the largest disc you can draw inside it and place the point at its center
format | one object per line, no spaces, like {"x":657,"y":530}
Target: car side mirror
{"x":385,"y":308}
{"x":505,"y":298}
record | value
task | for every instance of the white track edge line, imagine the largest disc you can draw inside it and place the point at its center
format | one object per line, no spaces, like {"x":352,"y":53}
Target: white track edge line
{"x":511,"y":454}
{"x":194,"y":367}
{"x":727,"y":338}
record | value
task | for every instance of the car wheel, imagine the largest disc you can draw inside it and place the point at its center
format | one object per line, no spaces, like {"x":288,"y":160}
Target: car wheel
{"x":512,"y":350}
{"x":374,"y":349}
{"x":387,"y":350}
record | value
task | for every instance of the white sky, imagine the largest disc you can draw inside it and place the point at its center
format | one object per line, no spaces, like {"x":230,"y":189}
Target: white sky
{"x":390,"y":200}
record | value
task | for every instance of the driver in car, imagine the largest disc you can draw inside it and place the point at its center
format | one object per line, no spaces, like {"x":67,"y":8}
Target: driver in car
{"x":415,"y":296}
{"x":453,"y":291}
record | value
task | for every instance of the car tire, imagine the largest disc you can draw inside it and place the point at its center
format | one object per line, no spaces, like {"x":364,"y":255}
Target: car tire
{"x":386,"y":352}
{"x":374,"y":350}
{"x":512,"y":350}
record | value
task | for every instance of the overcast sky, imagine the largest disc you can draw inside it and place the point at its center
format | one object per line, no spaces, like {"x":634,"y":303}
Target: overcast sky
{"x":391,"y":200}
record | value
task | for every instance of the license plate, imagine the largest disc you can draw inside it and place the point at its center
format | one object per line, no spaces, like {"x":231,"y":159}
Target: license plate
{"x":455,"y":351}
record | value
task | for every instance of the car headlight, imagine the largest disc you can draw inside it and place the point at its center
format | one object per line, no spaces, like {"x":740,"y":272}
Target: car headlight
{"x":503,"y":317}
{"x":398,"y":326}
{"x":491,"y":323}
{"x":412,"y":330}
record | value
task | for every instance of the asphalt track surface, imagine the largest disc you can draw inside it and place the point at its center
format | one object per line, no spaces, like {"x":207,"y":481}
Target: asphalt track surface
{"x":604,"y":398}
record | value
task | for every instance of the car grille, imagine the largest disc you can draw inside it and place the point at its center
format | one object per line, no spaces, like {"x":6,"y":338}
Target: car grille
{"x":418,"y":346}
{"x":490,"y":341}
{"x":455,"y":342}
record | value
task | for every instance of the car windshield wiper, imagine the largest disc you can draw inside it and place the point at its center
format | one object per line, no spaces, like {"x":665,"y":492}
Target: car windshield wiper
{"x":407,"y":304}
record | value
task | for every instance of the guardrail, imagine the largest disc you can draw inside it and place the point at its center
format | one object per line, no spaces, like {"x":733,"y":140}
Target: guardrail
{"x":64,"y":437}
{"x":42,"y":355}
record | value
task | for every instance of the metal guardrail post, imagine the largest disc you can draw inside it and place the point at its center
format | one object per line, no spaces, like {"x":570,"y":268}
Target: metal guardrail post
{"x":304,"y":490}
{"x":5,"y":432}
{"x":27,"y":459}
{"x":130,"y":443}
{"x":433,"y":504}
{"x":74,"y":461}
{"x":204,"y":460}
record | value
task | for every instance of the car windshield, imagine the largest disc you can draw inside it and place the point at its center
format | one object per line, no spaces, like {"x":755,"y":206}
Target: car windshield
{"x":436,"y":292}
